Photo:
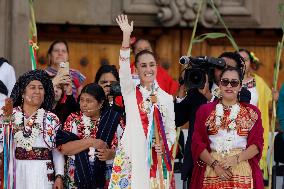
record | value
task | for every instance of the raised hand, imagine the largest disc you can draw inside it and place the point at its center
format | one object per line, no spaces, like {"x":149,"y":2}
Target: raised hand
{"x":122,"y":21}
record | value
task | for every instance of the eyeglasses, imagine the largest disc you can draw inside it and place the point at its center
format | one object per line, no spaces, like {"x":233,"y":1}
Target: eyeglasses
{"x":225,"y":82}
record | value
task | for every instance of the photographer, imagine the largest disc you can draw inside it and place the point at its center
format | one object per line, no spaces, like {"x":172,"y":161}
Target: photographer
{"x":107,"y":77}
{"x":190,"y":98}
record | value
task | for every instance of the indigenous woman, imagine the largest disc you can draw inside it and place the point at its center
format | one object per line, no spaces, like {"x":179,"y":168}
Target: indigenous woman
{"x":227,"y":140}
{"x":142,"y":162}
{"x":107,"y":76}
{"x":30,"y":154}
{"x":261,"y":96}
{"x":88,"y":139}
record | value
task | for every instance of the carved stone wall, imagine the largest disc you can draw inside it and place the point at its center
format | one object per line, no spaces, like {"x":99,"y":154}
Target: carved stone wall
{"x":236,"y":13}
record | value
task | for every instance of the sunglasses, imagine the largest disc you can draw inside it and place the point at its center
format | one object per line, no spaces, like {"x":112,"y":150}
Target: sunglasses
{"x":225,"y":82}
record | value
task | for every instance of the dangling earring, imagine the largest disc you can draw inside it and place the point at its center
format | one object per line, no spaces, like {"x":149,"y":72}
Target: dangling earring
{"x":239,"y":96}
{"x":220,"y":96}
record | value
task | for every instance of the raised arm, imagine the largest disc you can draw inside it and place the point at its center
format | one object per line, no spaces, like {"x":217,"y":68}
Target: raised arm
{"x":127,"y":85}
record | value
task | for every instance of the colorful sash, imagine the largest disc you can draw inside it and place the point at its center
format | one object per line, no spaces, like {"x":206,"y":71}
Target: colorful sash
{"x":149,"y":126}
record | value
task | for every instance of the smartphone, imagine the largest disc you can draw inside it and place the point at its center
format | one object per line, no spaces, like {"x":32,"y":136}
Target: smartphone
{"x":64,"y":68}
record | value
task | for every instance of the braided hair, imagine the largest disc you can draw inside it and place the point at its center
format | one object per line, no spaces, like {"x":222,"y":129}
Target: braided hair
{"x":237,"y":58}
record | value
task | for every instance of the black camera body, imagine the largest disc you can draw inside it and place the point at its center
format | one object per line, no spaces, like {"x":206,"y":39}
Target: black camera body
{"x":197,"y":69}
{"x":115,"y":89}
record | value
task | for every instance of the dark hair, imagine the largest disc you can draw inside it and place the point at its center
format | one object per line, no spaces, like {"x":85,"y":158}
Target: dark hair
{"x":233,"y":69}
{"x":3,"y":88}
{"x":25,"y":79}
{"x":50,"y":49}
{"x":106,"y":69}
{"x":237,"y":58}
{"x":3,"y":60}
{"x":94,"y":90}
{"x":142,"y":53}
{"x":134,"y":45}
{"x":254,"y":63}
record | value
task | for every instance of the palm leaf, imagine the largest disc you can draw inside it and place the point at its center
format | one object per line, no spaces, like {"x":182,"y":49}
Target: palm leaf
{"x":205,"y":36}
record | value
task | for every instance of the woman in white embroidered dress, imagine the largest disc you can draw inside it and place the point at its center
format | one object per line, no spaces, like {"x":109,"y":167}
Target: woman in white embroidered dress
{"x":135,"y":164}
{"x":34,"y":128}
{"x":227,"y":140}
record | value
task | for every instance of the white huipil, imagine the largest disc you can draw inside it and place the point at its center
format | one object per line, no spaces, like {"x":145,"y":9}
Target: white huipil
{"x":35,"y":174}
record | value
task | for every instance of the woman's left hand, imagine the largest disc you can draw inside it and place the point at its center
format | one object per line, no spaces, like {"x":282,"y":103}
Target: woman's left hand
{"x":105,"y":154}
{"x":228,"y":162}
{"x":58,"y":183}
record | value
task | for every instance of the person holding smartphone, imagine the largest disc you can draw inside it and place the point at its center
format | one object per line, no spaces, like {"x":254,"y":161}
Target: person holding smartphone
{"x":58,"y":55}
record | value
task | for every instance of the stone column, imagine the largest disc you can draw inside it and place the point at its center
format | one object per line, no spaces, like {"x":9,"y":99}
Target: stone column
{"x":14,"y":33}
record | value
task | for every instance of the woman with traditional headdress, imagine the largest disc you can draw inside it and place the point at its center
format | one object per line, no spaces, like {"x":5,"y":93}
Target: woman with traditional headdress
{"x":89,"y":139}
{"x":143,"y":159}
{"x":31,"y":160}
{"x":228,"y":139}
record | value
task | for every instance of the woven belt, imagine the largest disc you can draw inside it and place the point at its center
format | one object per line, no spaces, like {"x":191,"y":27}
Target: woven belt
{"x":34,"y":154}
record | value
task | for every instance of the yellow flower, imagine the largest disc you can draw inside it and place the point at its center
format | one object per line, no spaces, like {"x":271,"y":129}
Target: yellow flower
{"x":115,"y":177}
{"x":118,"y":161}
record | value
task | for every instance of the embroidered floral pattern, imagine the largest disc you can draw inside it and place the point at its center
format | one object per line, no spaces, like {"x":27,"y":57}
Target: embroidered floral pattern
{"x":43,"y":122}
{"x":121,"y":173}
{"x":34,"y":154}
{"x":26,"y":133}
{"x":240,"y":120}
{"x":76,"y":123}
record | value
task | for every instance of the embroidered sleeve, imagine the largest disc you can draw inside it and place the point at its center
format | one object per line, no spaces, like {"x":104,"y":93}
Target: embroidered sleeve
{"x":68,"y":123}
{"x":126,"y":82}
{"x":170,"y":123}
{"x":51,"y":126}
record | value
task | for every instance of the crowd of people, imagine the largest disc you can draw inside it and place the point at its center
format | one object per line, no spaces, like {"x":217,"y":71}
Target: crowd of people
{"x":56,"y":132}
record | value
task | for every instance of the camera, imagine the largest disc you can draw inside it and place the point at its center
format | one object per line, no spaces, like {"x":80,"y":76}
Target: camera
{"x":115,"y":89}
{"x":197,"y":69}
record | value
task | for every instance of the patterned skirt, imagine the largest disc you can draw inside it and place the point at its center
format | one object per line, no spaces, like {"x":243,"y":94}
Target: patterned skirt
{"x":241,"y":179}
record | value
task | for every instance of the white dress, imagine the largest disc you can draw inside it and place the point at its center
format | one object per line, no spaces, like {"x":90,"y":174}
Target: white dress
{"x":131,"y":168}
{"x":39,"y":174}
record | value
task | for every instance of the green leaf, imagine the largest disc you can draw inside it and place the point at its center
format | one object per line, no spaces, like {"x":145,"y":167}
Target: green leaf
{"x":281,"y":12}
{"x":205,"y":36}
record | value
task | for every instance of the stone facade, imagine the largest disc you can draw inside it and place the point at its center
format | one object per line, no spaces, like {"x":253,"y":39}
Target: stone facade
{"x":14,"y":18}
{"x":236,"y":13}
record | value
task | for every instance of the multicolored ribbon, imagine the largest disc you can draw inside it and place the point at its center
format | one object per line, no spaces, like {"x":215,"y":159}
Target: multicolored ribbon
{"x":8,"y":158}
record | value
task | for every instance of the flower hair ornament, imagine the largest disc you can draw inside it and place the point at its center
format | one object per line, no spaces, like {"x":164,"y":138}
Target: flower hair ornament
{"x":255,"y":63}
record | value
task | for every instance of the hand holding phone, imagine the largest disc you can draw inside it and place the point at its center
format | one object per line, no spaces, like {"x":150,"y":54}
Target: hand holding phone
{"x":63,"y":68}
